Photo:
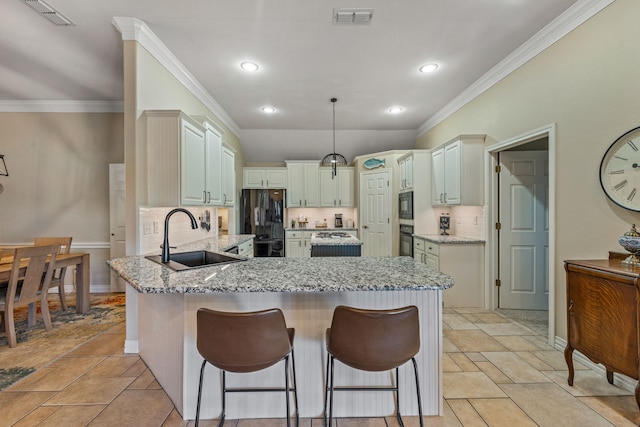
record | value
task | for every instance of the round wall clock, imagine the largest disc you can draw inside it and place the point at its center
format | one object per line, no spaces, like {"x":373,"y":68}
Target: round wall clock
{"x":620,"y":171}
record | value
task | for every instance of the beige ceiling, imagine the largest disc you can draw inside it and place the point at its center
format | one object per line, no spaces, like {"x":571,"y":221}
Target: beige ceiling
{"x":305,"y":59}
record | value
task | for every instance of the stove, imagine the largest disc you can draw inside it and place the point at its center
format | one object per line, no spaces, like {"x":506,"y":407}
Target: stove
{"x":333,"y":235}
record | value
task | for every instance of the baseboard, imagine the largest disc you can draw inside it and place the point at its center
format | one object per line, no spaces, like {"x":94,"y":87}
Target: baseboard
{"x":620,"y":380}
{"x":131,"y":346}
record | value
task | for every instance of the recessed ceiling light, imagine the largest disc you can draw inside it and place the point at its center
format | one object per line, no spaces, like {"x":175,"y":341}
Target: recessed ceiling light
{"x":249,"y":66}
{"x":268,"y":110}
{"x":428,"y":68}
{"x":396,"y":110}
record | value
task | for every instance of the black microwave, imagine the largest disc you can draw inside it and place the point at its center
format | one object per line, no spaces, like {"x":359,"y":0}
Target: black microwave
{"x":405,"y":205}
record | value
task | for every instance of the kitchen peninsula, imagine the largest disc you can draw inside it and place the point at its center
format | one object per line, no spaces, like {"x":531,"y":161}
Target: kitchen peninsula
{"x":161,"y":326}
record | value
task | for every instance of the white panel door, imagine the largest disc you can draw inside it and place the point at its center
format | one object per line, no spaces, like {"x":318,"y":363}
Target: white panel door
{"x":375,"y":211}
{"x":524,"y":235}
{"x":117,"y":233}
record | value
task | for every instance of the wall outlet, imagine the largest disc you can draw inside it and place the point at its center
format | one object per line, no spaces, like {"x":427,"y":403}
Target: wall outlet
{"x":156,"y":227}
{"x":146,"y":228}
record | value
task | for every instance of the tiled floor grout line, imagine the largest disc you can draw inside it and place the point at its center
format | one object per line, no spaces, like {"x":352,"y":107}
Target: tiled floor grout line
{"x":539,"y":354}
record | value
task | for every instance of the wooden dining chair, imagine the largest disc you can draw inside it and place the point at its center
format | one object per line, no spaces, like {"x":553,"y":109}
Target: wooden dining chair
{"x":27,"y":287}
{"x":58,"y":275}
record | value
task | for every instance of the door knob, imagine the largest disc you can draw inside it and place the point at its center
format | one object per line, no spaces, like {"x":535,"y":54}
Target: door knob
{"x":366,"y":226}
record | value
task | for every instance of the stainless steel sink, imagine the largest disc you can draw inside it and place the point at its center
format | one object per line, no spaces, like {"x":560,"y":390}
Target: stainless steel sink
{"x":196,"y":259}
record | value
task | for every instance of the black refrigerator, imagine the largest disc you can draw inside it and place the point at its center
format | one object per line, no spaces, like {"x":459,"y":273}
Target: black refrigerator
{"x":262,"y":214}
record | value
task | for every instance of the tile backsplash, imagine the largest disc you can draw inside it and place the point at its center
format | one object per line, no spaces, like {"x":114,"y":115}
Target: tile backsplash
{"x":151,"y":230}
{"x":320,"y":214}
{"x":466,"y":221}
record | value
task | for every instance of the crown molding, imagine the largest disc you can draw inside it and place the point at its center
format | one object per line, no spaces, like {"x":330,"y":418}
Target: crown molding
{"x":61,"y":106}
{"x":137,"y":30}
{"x":569,"y":20}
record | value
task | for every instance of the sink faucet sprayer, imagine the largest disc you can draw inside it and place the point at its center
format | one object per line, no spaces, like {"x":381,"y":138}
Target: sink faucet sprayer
{"x":165,"y":245}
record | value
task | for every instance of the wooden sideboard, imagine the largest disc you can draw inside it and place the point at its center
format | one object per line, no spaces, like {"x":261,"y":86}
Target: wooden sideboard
{"x":602,"y":316}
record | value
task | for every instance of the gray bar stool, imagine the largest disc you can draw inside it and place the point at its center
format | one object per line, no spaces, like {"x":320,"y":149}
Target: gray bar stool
{"x":242,"y":343}
{"x":374,"y":341}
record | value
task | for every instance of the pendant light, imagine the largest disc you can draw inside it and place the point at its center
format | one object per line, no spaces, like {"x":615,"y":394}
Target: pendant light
{"x":334,"y":159}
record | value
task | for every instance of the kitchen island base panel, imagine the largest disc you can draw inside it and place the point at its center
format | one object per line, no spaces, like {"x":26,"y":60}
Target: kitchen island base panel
{"x":167,"y":344}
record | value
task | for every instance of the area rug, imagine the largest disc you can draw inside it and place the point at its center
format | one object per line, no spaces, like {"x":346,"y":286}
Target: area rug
{"x":38,"y":347}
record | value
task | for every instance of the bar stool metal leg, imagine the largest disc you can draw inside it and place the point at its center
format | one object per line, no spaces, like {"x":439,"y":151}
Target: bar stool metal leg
{"x":415,"y":371}
{"x":204,"y":362}
{"x":295,"y":387}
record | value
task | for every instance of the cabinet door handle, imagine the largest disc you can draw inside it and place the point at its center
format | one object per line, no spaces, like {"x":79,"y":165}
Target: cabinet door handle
{"x":445,"y":197}
{"x":340,"y":202}
{"x":209,"y":193}
{"x":300,"y":202}
{"x":334,"y":202}
{"x":305,"y":202}
{"x":204,"y":196}
{"x":300,"y":243}
{"x":267,"y":183}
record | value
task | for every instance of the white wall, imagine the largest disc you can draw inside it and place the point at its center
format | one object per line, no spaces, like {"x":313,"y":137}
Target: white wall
{"x":587,"y":84}
{"x":58,"y":183}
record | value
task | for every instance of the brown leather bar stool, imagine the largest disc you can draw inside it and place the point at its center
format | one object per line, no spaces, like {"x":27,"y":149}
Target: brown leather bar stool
{"x":242,"y":343}
{"x":374,"y":341}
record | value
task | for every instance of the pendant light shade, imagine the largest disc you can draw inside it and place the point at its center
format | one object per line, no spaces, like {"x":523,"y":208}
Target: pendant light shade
{"x":334,"y":159}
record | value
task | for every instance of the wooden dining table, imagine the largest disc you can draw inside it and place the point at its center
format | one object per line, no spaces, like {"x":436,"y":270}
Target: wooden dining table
{"x":82,"y":277}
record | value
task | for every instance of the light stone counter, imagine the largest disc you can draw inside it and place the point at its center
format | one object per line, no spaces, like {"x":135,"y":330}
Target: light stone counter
{"x":275,"y":274}
{"x":330,"y":241}
{"x":161,"y":326}
{"x":449,"y":239}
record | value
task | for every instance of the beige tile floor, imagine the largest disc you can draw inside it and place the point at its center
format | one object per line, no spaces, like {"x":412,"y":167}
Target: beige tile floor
{"x":497,"y":372}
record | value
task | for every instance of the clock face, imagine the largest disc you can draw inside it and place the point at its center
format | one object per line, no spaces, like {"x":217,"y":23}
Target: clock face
{"x":620,"y":171}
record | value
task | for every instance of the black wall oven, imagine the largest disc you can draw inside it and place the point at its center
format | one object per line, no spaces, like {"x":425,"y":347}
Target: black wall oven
{"x":405,"y":205}
{"x":406,"y":240}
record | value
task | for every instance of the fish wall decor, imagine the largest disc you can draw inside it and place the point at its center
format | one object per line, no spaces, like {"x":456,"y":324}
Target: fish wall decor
{"x":373,"y":163}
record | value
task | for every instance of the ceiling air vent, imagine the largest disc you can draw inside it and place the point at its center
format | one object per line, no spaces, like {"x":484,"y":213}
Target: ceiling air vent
{"x":49,"y":12}
{"x":352,"y":16}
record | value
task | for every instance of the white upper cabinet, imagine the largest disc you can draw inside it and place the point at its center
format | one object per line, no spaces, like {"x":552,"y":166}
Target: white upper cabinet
{"x":457,"y":172}
{"x":406,"y":172}
{"x":337,"y":191}
{"x":228,"y":176}
{"x":192,"y":164}
{"x":210,"y":156}
{"x":184,"y":161}
{"x":303,"y":189}
{"x":264,"y":177}
{"x":213,"y":156}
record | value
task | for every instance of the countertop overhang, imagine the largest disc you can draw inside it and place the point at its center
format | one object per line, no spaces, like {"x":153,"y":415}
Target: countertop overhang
{"x":269,"y":274}
{"x":449,"y":239}
{"x":330,"y":241}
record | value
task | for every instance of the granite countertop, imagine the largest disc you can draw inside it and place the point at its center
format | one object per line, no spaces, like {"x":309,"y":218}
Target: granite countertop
{"x":314,"y":229}
{"x":438,"y":238}
{"x":215,"y":244}
{"x":330,"y":241}
{"x":322,"y":274}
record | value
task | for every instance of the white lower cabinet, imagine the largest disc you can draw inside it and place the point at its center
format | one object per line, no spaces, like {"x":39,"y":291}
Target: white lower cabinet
{"x":246,"y":248}
{"x":298,"y":244}
{"x":462,"y":261}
